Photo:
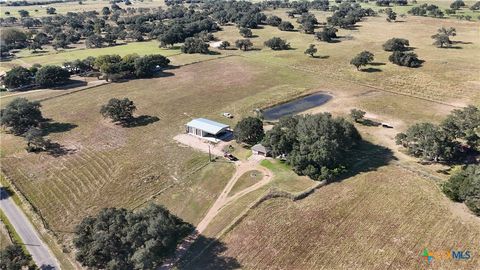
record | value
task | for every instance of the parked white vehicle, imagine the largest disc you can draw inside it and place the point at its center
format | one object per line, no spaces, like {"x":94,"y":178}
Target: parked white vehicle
{"x":227,"y":115}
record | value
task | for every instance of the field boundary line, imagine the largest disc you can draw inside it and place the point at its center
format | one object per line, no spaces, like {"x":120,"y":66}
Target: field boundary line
{"x":207,"y":60}
{"x":105,"y":83}
{"x":428,"y":176}
{"x":73,"y":91}
{"x":271,"y":193}
{"x":76,"y":50}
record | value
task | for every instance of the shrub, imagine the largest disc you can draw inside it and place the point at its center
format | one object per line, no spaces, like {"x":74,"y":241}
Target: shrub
{"x":327,"y":34}
{"x":273,"y":20}
{"x":362,"y":59}
{"x":18,"y":77}
{"x":277,"y":43}
{"x":357,"y":115}
{"x":20,"y":115}
{"x":406,"y":59}
{"x":13,"y":257}
{"x":195,"y":45}
{"x":243,"y":44}
{"x":285,"y":26}
{"x":311,"y":50}
{"x":249,"y":130}
{"x":224,"y":45}
{"x":245,"y":32}
{"x":464,"y":186}
{"x":396,"y":44}
{"x":119,"y":110}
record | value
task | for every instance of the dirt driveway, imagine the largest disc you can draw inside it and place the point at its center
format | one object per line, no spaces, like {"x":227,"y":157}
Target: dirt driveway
{"x":241,"y":167}
{"x":202,"y":145}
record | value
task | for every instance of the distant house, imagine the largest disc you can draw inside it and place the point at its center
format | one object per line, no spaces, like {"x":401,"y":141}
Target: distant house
{"x":208,"y":129}
{"x":259,"y":149}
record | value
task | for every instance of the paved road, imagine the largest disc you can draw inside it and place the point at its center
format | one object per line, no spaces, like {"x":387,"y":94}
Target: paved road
{"x":37,"y":248}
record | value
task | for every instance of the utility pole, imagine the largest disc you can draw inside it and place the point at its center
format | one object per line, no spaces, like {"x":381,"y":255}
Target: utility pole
{"x":209,"y":153}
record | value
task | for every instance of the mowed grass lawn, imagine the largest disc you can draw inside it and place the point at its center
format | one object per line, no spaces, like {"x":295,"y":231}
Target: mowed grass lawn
{"x":247,"y":179}
{"x":377,"y":220}
{"x":57,"y":58}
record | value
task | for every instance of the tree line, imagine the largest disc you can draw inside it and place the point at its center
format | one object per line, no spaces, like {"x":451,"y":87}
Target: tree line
{"x":456,"y":138}
{"x":20,"y":78}
{"x":111,"y":67}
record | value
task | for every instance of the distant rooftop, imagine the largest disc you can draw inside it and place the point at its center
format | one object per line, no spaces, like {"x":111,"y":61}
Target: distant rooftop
{"x":206,"y":125}
{"x":260,"y":148}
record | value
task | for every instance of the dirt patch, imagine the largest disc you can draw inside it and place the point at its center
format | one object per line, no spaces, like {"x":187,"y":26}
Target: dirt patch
{"x":201,"y":145}
{"x":107,"y":135}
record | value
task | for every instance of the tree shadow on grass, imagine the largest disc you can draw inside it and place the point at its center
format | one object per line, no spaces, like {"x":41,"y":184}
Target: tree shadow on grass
{"x":162,"y":74}
{"x":213,"y":53}
{"x":369,"y":123}
{"x":140,"y":121}
{"x":337,"y":40}
{"x":371,"y":70}
{"x":377,"y":64}
{"x":5,"y":193}
{"x":462,"y":42}
{"x":56,"y":127}
{"x":39,"y":51}
{"x":58,"y":150}
{"x":366,"y":157}
{"x":206,"y":253}
{"x":454,"y":47}
{"x":321,"y":56}
{"x":54,"y":149}
{"x":70,"y":84}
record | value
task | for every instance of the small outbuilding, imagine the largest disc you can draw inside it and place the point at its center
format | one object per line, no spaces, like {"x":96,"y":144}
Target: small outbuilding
{"x":207,"y":129}
{"x":259,"y":149}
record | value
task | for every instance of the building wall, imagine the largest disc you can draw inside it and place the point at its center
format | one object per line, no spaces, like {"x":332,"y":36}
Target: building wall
{"x":194,"y":131}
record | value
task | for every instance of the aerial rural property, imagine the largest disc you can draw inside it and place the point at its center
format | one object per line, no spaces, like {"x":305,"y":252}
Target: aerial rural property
{"x":235,"y":134}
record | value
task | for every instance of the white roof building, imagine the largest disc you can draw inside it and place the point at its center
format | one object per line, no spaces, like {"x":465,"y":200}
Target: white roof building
{"x":205,"y":128}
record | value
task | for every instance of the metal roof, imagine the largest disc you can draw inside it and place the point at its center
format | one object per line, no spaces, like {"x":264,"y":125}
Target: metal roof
{"x":260,"y":148}
{"x":206,"y":125}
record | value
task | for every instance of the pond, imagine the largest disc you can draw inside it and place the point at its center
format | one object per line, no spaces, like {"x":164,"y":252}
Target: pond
{"x":296,"y":106}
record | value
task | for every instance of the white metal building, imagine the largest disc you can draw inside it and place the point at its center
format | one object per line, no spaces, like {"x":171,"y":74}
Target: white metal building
{"x":205,"y":128}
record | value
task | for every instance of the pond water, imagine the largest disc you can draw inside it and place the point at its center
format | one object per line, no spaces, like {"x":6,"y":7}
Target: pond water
{"x":296,"y":106}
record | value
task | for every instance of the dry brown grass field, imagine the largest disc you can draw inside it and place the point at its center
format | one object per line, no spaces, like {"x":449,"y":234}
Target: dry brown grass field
{"x":447,"y":75}
{"x":382,"y":217}
{"x":376,"y":220}
{"x":108,"y":165}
